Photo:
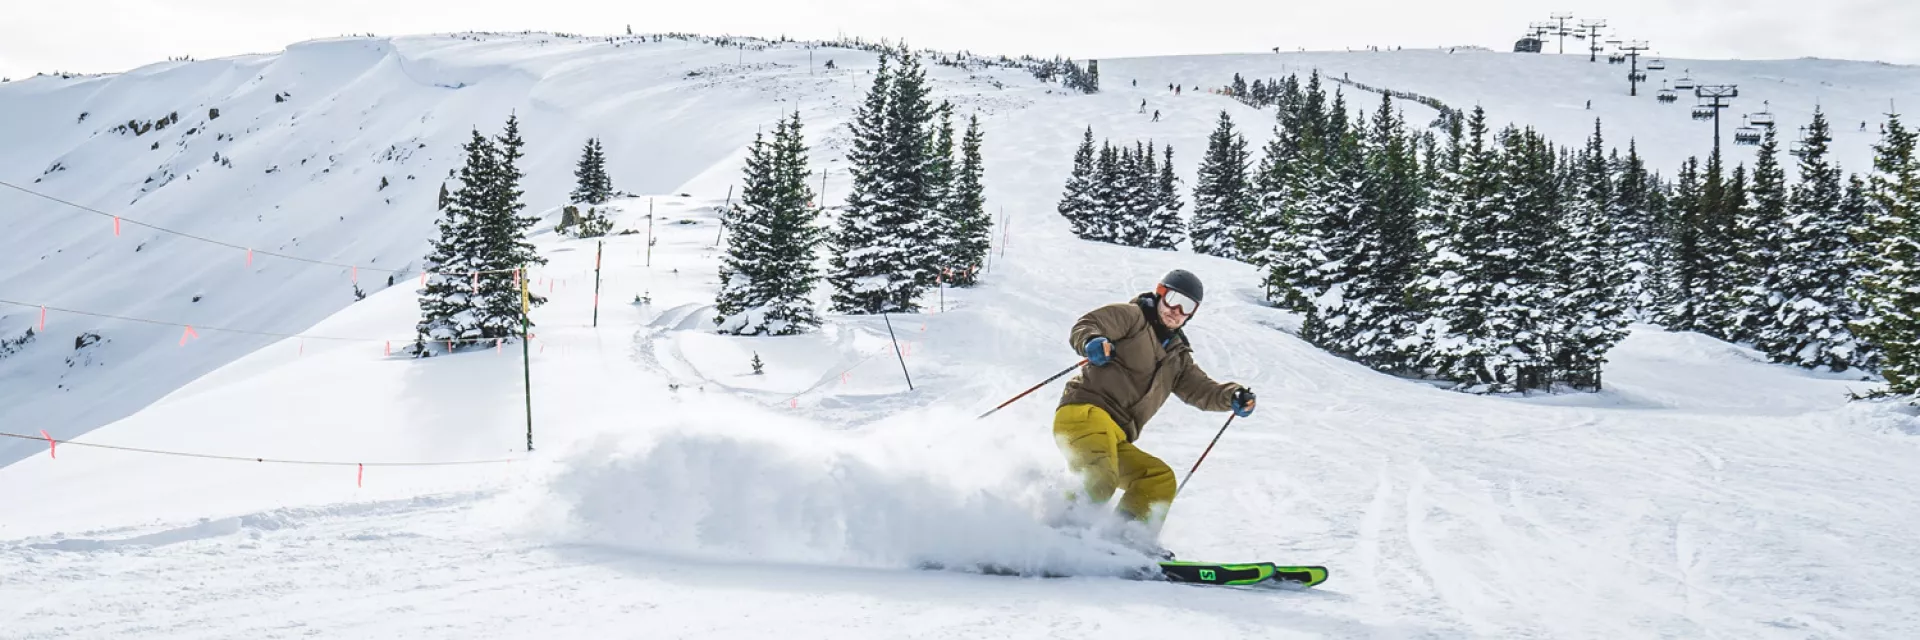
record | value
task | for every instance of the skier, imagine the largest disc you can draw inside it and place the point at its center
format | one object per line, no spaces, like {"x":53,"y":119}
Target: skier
{"x":1156,"y":115}
{"x":1143,"y":105}
{"x":1139,"y":355}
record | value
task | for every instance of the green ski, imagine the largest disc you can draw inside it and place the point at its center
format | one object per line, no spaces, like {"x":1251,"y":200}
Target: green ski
{"x":1244,"y":573}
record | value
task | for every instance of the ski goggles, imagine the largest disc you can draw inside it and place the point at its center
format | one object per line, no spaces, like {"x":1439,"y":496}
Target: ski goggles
{"x":1179,"y":301}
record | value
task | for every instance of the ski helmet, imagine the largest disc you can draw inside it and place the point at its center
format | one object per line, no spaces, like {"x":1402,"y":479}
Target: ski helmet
{"x":1184,"y":282}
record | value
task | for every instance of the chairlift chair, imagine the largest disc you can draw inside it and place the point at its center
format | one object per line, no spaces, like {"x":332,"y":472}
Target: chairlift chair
{"x":1656,"y":64}
{"x":1684,"y":83}
{"x":1746,"y":134}
{"x":1637,"y":76}
{"x":1668,"y":96}
{"x":1764,"y":118}
{"x":1615,"y":58}
{"x":1702,"y":112}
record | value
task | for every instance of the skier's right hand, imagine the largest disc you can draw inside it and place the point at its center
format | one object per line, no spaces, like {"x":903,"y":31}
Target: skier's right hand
{"x":1099,"y":352}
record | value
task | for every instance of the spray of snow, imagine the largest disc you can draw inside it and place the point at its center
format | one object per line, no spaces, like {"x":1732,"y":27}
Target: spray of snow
{"x":783,"y":490}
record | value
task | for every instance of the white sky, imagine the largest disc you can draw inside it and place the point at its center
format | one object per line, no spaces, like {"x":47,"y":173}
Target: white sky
{"x":116,"y":35}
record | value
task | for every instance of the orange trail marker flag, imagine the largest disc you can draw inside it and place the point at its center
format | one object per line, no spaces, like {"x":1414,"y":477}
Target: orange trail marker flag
{"x":189,"y":333}
{"x":52,"y":447}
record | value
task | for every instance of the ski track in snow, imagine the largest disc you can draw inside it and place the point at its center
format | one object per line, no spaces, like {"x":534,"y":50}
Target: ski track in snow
{"x":1703,"y":494}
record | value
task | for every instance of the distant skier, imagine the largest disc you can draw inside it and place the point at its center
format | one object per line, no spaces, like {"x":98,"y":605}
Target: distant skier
{"x":1156,"y":115}
{"x":1138,"y":356}
{"x":1143,"y":105}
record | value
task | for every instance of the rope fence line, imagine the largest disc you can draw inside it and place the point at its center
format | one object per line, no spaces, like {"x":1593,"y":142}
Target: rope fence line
{"x":188,"y":454}
{"x":117,"y":219}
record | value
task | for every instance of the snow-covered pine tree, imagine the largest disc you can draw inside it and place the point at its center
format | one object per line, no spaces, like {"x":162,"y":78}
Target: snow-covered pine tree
{"x":1432,"y":293}
{"x":1169,"y":230}
{"x":911,"y":183}
{"x":505,"y":253}
{"x":591,"y":184}
{"x":1138,"y":183}
{"x":939,"y":176}
{"x":1811,"y":311}
{"x":1636,"y":234}
{"x":1381,"y":258}
{"x":1680,"y":308}
{"x":768,"y":275}
{"x":1762,"y":246}
{"x":1727,"y":304}
{"x":1077,"y":202}
{"x":1269,"y":233}
{"x":864,"y":258}
{"x":1342,"y":207}
{"x":446,"y":300}
{"x":1889,"y":290}
{"x":1104,"y":219}
{"x":973,"y":228}
{"x":1298,"y":188}
{"x":1856,"y":207}
{"x":1519,"y":344}
{"x":1222,"y":194}
{"x":1589,"y":304}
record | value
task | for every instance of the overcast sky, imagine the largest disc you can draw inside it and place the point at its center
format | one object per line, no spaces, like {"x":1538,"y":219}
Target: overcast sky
{"x":116,"y":35}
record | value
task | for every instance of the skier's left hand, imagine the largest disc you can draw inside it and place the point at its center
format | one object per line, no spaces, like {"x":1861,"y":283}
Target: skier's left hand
{"x":1243,"y":402}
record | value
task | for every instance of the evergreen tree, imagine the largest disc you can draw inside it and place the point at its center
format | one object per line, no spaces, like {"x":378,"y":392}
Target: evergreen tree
{"x":1269,"y":237}
{"x":768,"y":275}
{"x":912,"y":180}
{"x":1590,"y":306}
{"x":1222,"y":195}
{"x":1378,"y":249}
{"x":1889,"y":290}
{"x":1300,"y":189}
{"x":863,"y":273}
{"x":972,"y":227}
{"x":1442,"y":217}
{"x":592,"y":186}
{"x":1104,"y":219}
{"x":940,"y":222}
{"x":504,"y":252}
{"x":1168,"y":229}
{"x":1330,"y":322}
{"x":1810,"y":311}
{"x":1761,"y":232}
{"x":1636,"y":232}
{"x":880,"y":257}
{"x":1140,"y":183}
{"x":1683,"y":278}
{"x":1077,"y":202}
{"x":447,"y":298}
{"x":1730,"y":301}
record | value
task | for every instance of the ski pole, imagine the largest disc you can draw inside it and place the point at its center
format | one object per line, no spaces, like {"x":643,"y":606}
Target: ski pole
{"x":1203,"y":456}
{"x":1036,"y":387}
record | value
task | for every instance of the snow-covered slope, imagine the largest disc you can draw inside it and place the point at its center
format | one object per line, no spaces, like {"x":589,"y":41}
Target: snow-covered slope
{"x":673,"y":493}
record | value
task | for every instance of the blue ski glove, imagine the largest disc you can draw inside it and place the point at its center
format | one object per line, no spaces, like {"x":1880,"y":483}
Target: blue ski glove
{"x":1099,"y":352}
{"x":1243,"y":402}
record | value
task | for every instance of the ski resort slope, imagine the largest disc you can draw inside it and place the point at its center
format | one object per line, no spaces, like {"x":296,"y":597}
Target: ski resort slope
{"x":671,"y":492}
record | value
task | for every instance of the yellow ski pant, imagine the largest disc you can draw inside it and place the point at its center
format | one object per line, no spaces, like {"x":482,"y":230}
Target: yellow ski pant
{"x":1098,"y":451}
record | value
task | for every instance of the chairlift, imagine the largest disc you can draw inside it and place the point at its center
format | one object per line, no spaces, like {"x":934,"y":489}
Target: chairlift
{"x":1667,"y":95}
{"x":1765,"y":117}
{"x":1637,"y":76}
{"x":1746,"y":135}
{"x":1656,"y":64}
{"x":1616,"y":58}
{"x":1703,"y":112}
{"x":1684,"y":83}
{"x":1800,"y":145}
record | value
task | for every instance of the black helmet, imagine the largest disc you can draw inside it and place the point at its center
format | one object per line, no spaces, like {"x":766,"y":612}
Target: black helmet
{"x":1185,"y":282}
